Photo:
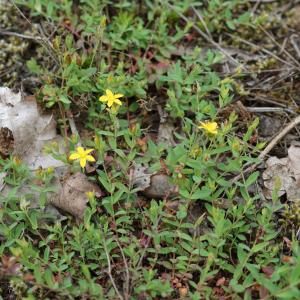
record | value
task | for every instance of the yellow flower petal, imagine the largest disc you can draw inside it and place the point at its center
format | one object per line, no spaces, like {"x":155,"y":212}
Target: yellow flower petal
{"x":87,"y":151}
{"x":90,"y":158}
{"x":103,"y":98}
{"x":80,"y":151}
{"x":210,"y":127}
{"x":109,"y":93}
{"x":117,"y":101}
{"x":118,"y":96}
{"x":110,"y":102}
{"x":74,"y":156}
{"x":82,"y":162}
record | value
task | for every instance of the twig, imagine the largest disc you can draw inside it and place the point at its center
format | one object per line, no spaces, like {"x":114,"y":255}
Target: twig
{"x":289,"y":75}
{"x":74,"y":128}
{"x":270,"y":146}
{"x":202,"y":21}
{"x":295,"y":44}
{"x":41,"y":40}
{"x":204,"y":35}
{"x":276,"y":43}
{"x":281,"y":134}
{"x":23,"y":36}
{"x":109,"y":270}
{"x":127,"y":283}
{"x":269,"y":109}
{"x":256,"y":5}
{"x":63,"y":116}
{"x":266,"y":100}
{"x":263,"y":50}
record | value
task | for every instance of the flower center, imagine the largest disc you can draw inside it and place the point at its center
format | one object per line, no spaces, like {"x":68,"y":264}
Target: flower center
{"x":111,"y":98}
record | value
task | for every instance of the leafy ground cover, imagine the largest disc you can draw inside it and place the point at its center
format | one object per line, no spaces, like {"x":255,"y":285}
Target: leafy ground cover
{"x":163,"y":92}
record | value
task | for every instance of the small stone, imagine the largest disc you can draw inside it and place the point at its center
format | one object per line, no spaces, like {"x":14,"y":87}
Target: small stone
{"x":160,"y":187}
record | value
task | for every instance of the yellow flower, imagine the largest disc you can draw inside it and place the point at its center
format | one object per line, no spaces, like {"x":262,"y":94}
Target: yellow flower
{"x":103,"y":21}
{"x":210,"y":127}
{"x":17,"y":160}
{"x":82,"y":155}
{"x":90,"y":195}
{"x":110,"y":98}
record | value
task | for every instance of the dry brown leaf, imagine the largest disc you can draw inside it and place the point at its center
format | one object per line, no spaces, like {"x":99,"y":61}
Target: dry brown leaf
{"x":268,"y":271}
{"x":263,"y":292}
{"x":6,"y":142}
{"x":183,"y":291}
{"x":221,"y":281}
{"x":73,"y":195}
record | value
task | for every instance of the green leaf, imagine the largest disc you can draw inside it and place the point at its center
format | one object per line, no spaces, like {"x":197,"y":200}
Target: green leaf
{"x":33,"y":66}
{"x":64,"y":99}
{"x":252,"y":178}
{"x":259,"y":247}
{"x":261,"y":279}
{"x":201,"y":194}
{"x":230,"y":25}
{"x":107,"y":185}
{"x":48,"y":277}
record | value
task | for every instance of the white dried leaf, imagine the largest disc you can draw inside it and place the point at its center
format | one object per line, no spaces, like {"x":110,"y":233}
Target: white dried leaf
{"x":151,"y":184}
{"x":294,"y":161}
{"x":31,"y":130}
{"x":2,"y":183}
{"x":165,"y":134}
{"x":277,"y":172}
{"x":284,"y":174}
{"x":141,"y":177}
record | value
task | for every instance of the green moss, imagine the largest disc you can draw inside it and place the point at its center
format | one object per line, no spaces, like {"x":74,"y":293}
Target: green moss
{"x":291,"y":216}
{"x":12,"y":48}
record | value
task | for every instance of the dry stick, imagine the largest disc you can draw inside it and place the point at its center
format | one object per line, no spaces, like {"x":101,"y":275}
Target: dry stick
{"x":42,"y":40}
{"x":74,"y":130}
{"x":295,"y":44}
{"x":270,"y":146}
{"x":202,"y":21}
{"x":127,"y":283}
{"x":109,"y":270}
{"x":263,"y":50}
{"x":281,"y":134}
{"x":262,"y":99}
{"x":278,"y":45}
{"x":23,"y":36}
{"x":269,"y":109}
{"x":290,"y":75}
{"x":256,"y":5}
{"x":204,"y":35}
